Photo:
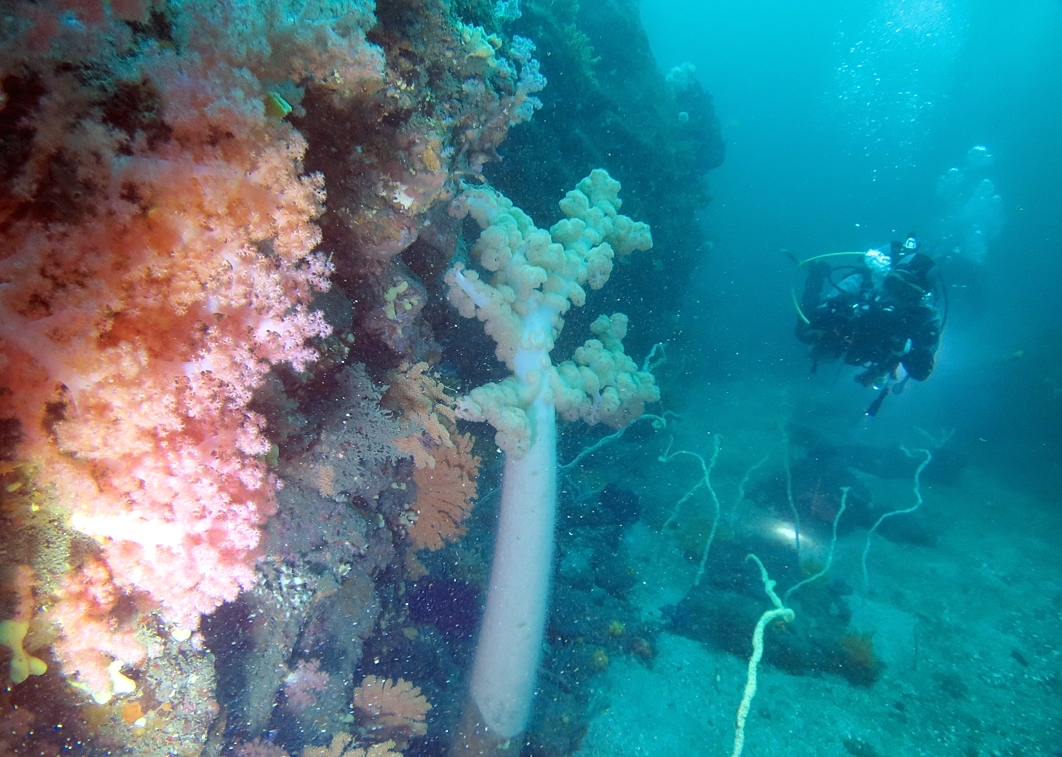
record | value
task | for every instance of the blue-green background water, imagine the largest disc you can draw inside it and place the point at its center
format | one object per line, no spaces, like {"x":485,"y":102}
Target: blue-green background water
{"x":840,"y":118}
{"x":935,"y":634}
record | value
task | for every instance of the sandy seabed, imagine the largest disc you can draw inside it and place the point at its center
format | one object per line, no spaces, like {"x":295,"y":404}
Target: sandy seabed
{"x":968,"y":628}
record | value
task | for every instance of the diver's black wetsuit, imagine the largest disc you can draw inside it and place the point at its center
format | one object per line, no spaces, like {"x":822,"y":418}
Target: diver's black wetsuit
{"x":876,"y":327}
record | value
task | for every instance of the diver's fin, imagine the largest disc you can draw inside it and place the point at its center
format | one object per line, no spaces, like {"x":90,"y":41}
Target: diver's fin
{"x":876,"y":404}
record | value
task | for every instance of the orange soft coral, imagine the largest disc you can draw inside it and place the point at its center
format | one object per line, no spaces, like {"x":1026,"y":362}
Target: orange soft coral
{"x":446,"y":469}
{"x":444,"y":495}
{"x":393,"y":709}
{"x":425,"y":406}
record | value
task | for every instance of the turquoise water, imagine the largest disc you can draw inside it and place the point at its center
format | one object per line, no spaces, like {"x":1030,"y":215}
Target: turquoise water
{"x":841,"y":120}
{"x":245,"y":516}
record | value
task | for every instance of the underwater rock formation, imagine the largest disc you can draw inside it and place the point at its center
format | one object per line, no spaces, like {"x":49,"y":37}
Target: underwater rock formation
{"x":225,"y":227}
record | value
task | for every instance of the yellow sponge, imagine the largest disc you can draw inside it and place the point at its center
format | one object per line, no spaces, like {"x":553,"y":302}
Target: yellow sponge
{"x":23,"y":664}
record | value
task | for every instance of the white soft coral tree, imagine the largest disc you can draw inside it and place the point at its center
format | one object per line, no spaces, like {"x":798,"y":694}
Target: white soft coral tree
{"x":532,"y":277}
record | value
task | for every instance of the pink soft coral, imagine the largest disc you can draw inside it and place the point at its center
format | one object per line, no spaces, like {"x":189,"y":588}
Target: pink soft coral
{"x":303,"y":684}
{"x":157,"y":261}
{"x":94,"y":634}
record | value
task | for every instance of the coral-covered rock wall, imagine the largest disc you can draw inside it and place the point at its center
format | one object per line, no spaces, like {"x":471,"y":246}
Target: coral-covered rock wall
{"x":223,"y":227}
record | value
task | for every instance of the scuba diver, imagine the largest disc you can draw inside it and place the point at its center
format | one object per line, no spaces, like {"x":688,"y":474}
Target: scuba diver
{"x":878,"y":315}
